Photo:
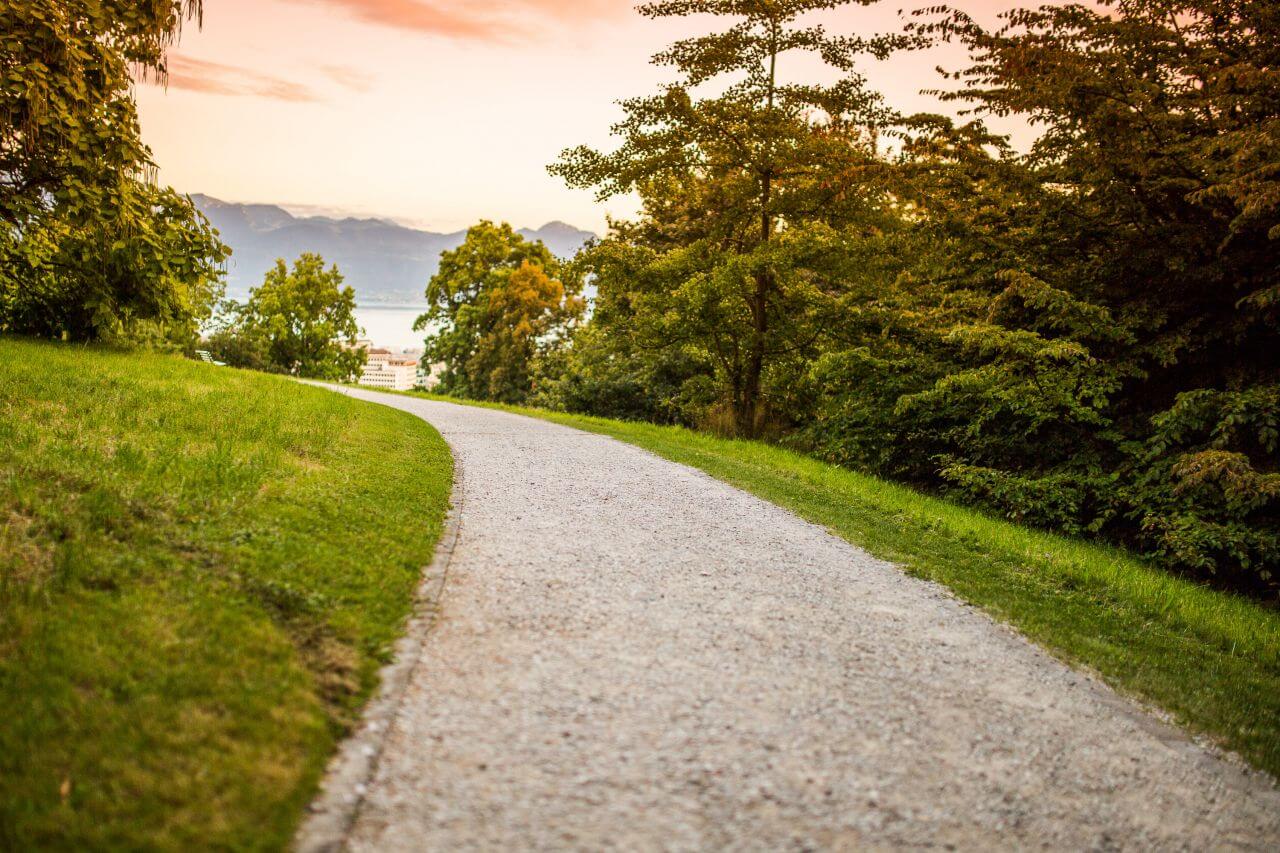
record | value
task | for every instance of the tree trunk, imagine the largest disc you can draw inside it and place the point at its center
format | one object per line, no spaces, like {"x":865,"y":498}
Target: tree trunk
{"x":747,"y":408}
{"x":747,"y":405}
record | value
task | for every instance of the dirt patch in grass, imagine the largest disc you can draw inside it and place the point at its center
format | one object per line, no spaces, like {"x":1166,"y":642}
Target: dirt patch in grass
{"x":20,"y":547}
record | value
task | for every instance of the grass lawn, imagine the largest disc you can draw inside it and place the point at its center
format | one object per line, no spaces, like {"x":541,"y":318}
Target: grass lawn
{"x":201,"y":570}
{"x":1209,"y":658}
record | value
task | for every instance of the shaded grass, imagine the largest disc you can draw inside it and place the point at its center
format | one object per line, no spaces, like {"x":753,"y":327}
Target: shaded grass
{"x":201,"y":571}
{"x":1209,"y":658}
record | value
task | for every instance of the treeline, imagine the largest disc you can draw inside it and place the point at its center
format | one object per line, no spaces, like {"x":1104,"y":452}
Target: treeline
{"x":1084,"y":336}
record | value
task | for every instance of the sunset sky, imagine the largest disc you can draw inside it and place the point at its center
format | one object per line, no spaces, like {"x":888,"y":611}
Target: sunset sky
{"x":435,"y":113}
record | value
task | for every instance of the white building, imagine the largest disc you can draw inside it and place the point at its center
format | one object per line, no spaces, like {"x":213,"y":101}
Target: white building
{"x":384,"y":369}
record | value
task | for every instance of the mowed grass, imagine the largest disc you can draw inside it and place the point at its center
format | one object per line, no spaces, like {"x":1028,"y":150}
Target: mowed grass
{"x":201,"y":570}
{"x":1210,"y":659}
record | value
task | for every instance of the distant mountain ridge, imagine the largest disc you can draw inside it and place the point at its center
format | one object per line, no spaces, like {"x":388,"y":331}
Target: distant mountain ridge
{"x":385,"y":262}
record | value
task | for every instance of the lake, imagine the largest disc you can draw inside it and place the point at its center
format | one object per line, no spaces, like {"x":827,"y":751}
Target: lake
{"x":391,"y":326}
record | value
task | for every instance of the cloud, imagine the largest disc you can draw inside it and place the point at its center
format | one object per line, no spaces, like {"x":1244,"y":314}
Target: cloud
{"x":351,"y":78}
{"x":478,"y":20}
{"x":215,"y":78}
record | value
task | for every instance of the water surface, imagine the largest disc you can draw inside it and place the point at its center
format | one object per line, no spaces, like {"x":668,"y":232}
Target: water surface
{"x":390,"y":326}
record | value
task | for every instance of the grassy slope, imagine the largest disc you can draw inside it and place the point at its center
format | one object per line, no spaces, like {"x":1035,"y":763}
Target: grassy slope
{"x":1209,"y":658}
{"x":200,"y":572}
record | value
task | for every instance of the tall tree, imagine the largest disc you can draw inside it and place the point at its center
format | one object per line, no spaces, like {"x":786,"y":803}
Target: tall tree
{"x":724,"y":175}
{"x":68,"y":125}
{"x":496,"y":301}
{"x":89,"y":248}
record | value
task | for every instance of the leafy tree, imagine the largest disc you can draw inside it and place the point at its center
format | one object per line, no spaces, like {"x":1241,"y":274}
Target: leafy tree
{"x":68,"y":125}
{"x":734,"y":181}
{"x":148,"y":271}
{"x":497,"y":301}
{"x":88,"y":249}
{"x":1123,"y":375}
{"x":299,"y":321}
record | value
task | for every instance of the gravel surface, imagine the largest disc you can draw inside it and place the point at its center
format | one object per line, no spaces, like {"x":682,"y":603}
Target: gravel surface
{"x":631,"y":655}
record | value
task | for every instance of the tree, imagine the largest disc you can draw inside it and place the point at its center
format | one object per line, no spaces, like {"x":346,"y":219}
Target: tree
{"x":496,"y":302}
{"x":151,"y":270}
{"x":726,"y":176}
{"x":1122,"y":377}
{"x":300,"y":321}
{"x":68,"y":126}
{"x":88,"y":247}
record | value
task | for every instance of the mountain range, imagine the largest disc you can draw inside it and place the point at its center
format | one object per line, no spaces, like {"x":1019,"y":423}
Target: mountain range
{"x":384,"y":262}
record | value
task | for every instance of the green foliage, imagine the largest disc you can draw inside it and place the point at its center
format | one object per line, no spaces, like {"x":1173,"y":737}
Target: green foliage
{"x":88,"y":248}
{"x":300,"y":321}
{"x":603,"y":374}
{"x":150,"y":272}
{"x":498,"y":303}
{"x":189,"y":614}
{"x":68,"y":125}
{"x":1209,"y":485}
{"x":736,"y":203}
{"x":1107,"y":383}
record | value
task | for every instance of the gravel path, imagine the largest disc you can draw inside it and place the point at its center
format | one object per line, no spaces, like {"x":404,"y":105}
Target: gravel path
{"x":631,"y":655}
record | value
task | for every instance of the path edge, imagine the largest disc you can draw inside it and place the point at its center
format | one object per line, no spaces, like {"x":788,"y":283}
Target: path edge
{"x":332,"y":813}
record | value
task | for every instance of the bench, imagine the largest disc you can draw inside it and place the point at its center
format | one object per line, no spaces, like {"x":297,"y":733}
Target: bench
{"x":207,"y":357}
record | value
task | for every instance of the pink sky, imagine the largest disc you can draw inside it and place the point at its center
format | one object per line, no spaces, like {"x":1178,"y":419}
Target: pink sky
{"x":433,"y":112}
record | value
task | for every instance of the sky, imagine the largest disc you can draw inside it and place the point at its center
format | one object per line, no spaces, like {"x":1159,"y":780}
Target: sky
{"x":434,"y":113}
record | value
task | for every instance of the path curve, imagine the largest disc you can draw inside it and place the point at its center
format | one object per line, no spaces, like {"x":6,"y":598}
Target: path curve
{"x":631,"y":655}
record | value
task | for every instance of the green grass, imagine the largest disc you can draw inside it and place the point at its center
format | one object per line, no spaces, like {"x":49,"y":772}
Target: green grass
{"x":1209,"y":658}
{"x":201,"y":571}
